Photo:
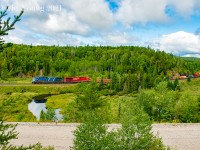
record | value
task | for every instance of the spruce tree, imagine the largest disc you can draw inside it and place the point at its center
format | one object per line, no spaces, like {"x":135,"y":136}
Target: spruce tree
{"x":7,"y":25}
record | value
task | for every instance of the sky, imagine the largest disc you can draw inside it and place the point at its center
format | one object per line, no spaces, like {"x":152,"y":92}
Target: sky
{"x":169,"y":25}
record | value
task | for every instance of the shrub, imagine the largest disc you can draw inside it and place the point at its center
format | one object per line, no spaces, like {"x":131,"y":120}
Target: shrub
{"x":7,"y":133}
{"x":134,"y":134}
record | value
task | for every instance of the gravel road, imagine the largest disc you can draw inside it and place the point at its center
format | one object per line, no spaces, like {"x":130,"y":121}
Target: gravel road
{"x":179,"y":136}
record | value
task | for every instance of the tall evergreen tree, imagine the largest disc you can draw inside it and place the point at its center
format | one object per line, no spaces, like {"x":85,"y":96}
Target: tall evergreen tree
{"x":6,"y":25}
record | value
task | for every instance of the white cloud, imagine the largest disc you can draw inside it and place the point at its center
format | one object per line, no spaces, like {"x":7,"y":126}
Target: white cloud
{"x":95,"y":13}
{"x":179,"y":43}
{"x":185,"y":8}
{"x":13,"y":39}
{"x":65,"y":22}
{"x":192,"y":55}
{"x":79,"y":17}
{"x":142,"y":11}
{"x":118,"y":38}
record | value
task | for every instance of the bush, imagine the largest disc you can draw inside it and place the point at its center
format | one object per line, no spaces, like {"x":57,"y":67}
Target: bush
{"x":135,"y":133}
{"x":7,"y":133}
{"x":50,"y":115}
{"x":88,"y":99}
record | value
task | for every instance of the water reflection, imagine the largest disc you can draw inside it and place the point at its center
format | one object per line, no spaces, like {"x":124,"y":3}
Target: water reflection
{"x":36,"y":106}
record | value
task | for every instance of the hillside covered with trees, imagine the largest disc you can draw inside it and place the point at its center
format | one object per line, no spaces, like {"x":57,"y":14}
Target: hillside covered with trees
{"x":129,"y":67}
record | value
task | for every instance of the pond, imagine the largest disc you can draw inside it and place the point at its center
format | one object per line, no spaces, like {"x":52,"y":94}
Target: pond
{"x":36,"y":106}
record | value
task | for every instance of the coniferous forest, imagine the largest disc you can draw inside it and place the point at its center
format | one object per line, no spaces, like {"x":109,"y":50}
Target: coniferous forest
{"x":129,"y":67}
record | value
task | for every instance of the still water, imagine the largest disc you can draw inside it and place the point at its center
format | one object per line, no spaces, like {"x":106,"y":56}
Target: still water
{"x":36,"y":106}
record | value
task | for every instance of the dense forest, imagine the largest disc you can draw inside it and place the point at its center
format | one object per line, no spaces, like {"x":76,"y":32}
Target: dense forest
{"x":138,"y":74}
{"x":129,"y":67}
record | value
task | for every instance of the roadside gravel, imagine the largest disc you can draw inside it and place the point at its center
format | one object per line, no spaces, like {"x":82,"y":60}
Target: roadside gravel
{"x":178,"y":136}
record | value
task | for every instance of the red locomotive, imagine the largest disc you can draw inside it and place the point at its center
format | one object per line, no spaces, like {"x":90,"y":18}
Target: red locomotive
{"x":76,"y":79}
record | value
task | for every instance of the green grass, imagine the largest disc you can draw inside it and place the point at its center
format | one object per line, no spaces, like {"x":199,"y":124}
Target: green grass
{"x":193,"y":87}
{"x":17,"y":80}
{"x":14,"y":99}
{"x":60,"y":101}
{"x":14,"y":107}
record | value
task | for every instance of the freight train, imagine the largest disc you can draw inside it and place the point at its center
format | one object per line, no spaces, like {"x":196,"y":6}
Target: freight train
{"x":59,"y":80}
{"x":181,"y":77}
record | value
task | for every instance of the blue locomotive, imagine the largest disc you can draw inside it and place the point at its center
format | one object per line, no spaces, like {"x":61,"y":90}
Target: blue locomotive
{"x":47,"y":80}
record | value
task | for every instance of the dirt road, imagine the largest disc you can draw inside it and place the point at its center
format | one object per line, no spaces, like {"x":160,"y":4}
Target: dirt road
{"x":179,"y":136}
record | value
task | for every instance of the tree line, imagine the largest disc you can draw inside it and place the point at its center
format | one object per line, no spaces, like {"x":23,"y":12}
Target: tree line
{"x":129,"y":67}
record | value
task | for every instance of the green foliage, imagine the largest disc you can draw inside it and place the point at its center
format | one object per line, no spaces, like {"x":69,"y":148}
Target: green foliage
{"x":189,"y":79}
{"x":187,"y":109}
{"x":87,"y":99}
{"x":176,"y":85}
{"x":134,"y":134}
{"x":129,"y":67}
{"x":14,"y":107}
{"x":14,"y":100}
{"x":91,"y":134}
{"x":173,"y":85}
{"x":50,"y":115}
{"x":7,"y":133}
{"x":6,"y":26}
{"x":164,"y":105}
{"x":158,"y":102}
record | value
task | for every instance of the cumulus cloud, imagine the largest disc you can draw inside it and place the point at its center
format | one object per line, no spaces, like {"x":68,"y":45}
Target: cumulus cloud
{"x":28,"y":37}
{"x":178,"y":43}
{"x":79,"y":17}
{"x":14,"y":39}
{"x":186,"y":8}
{"x":119,"y":38}
{"x":93,"y":12}
{"x":142,"y":11}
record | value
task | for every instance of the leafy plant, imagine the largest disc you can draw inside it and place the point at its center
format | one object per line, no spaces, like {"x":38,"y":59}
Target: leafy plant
{"x":7,"y":133}
{"x":87,"y":99}
{"x":134,"y":134}
{"x":50,"y":115}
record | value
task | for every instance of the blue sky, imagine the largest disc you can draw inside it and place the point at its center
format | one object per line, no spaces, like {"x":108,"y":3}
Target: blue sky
{"x":169,"y":25}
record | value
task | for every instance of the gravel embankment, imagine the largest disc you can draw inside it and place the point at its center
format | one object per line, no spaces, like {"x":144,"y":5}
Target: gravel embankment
{"x":179,"y":136}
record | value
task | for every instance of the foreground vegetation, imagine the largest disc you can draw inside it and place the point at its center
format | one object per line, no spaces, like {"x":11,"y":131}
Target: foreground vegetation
{"x":134,"y":134}
{"x":139,"y":74}
{"x":8,"y":133}
{"x":160,"y":103}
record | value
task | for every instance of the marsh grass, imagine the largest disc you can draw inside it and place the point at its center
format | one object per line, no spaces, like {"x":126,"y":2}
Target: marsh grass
{"x":14,"y":99}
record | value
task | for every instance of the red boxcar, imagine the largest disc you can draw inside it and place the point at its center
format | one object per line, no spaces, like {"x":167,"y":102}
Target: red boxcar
{"x":76,"y":79}
{"x":196,"y":75}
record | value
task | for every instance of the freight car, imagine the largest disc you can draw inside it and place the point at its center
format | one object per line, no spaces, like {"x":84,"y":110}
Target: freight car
{"x":195,"y":75}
